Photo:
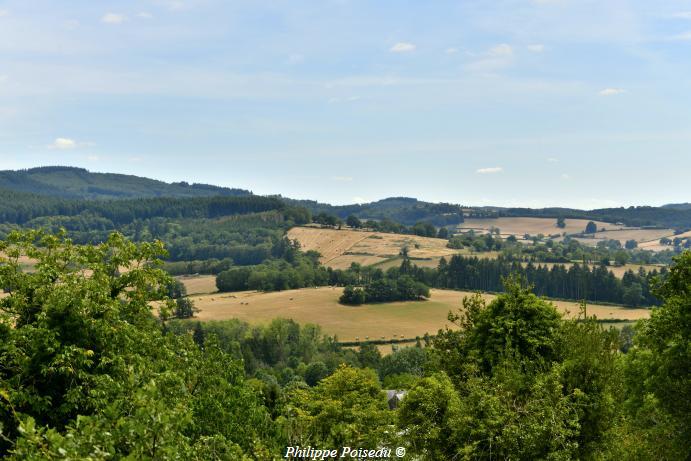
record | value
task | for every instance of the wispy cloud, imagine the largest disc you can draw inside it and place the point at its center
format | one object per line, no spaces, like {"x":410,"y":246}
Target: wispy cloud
{"x":536,"y":48}
{"x":490,"y":170}
{"x":144,"y":15}
{"x":67,"y":144}
{"x":682,"y":15}
{"x":4,"y":13}
{"x":451,"y":50}
{"x":342,"y":178}
{"x":553,"y":160}
{"x":611,"y":91}
{"x":402,"y":47}
{"x":113,"y":18}
{"x":497,"y":57}
{"x":502,"y":49}
{"x":684,"y":36}
{"x":63,"y":144}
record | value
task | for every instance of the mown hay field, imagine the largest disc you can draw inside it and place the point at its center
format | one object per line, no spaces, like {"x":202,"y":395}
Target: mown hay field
{"x":341,"y":248}
{"x":387,"y":320}
{"x":198,"y":284}
{"x":532,"y":226}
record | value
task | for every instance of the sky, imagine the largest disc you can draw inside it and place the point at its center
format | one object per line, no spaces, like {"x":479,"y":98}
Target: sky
{"x":535,"y":103}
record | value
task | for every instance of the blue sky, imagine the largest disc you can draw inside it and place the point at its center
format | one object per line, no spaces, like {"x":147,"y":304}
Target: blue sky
{"x":510,"y":102}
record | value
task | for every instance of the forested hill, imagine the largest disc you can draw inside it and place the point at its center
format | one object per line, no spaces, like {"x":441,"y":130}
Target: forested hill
{"x":78,"y":183}
{"x":33,"y":193}
{"x":678,"y":206}
{"x":403,"y":210}
{"x":21,"y":207}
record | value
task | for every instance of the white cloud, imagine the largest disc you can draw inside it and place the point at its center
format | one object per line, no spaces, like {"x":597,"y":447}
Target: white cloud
{"x":496,"y":58}
{"x":685,"y":36}
{"x":359,"y":200}
{"x":67,"y":143}
{"x":4,"y":13}
{"x":135,"y":160}
{"x":402,"y":47}
{"x":611,"y":91}
{"x":342,"y":178}
{"x":490,"y":170}
{"x":682,"y":15}
{"x":144,"y":15}
{"x":93,"y":158}
{"x":553,"y":160}
{"x":348,"y":99}
{"x":113,"y":18}
{"x":502,"y":49}
{"x":451,"y":50}
{"x":63,"y":144}
{"x":536,"y":48}
{"x":565,"y":176}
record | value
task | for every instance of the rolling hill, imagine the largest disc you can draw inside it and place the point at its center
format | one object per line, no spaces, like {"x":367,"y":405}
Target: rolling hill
{"x":78,"y":183}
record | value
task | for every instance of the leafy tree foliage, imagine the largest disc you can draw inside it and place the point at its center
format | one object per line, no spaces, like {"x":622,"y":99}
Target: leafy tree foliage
{"x":658,"y":370}
{"x":85,"y":370}
{"x":347,"y":408}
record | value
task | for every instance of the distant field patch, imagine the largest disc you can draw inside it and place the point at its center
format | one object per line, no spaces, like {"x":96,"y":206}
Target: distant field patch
{"x":320,"y":306}
{"x":341,"y":248}
{"x":198,"y":284}
{"x":647,"y":238}
{"x":532,"y":226}
{"x":618,"y":271}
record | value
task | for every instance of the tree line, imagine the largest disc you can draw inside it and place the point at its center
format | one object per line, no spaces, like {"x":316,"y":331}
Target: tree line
{"x":597,"y":284}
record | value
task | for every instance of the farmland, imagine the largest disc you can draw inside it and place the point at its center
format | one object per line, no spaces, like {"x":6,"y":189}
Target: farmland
{"x":646,"y":238}
{"x":340,"y":248}
{"x":531,"y":226}
{"x":388,"y":320}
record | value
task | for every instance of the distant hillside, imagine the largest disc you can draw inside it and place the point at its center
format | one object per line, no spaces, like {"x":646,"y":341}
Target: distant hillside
{"x":78,"y":183}
{"x":403,"y":210}
{"x":22,"y":207}
{"x":641,"y":216}
{"x":678,"y":206}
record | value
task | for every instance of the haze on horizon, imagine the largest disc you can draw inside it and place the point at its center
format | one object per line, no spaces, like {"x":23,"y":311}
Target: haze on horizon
{"x":514,"y":103}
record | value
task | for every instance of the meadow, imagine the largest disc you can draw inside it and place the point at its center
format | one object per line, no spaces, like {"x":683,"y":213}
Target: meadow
{"x":341,"y":248}
{"x":648,"y":239}
{"x":375,"y":321}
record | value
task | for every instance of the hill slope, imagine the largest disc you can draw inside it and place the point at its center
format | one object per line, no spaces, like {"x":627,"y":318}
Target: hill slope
{"x":402,"y":210}
{"x":70,"y":182}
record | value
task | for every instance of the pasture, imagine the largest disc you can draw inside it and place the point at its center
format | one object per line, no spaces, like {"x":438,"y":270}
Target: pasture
{"x":387,"y":320}
{"x":647,"y":239}
{"x":341,"y":248}
{"x":198,"y":284}
{"x":532,"y":226}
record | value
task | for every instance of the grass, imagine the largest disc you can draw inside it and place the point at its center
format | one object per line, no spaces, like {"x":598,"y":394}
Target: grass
{"x":198,"y":284}
{"x":387,"y":320}
{"x":532,"y":226}
{"x":341,"y":248}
